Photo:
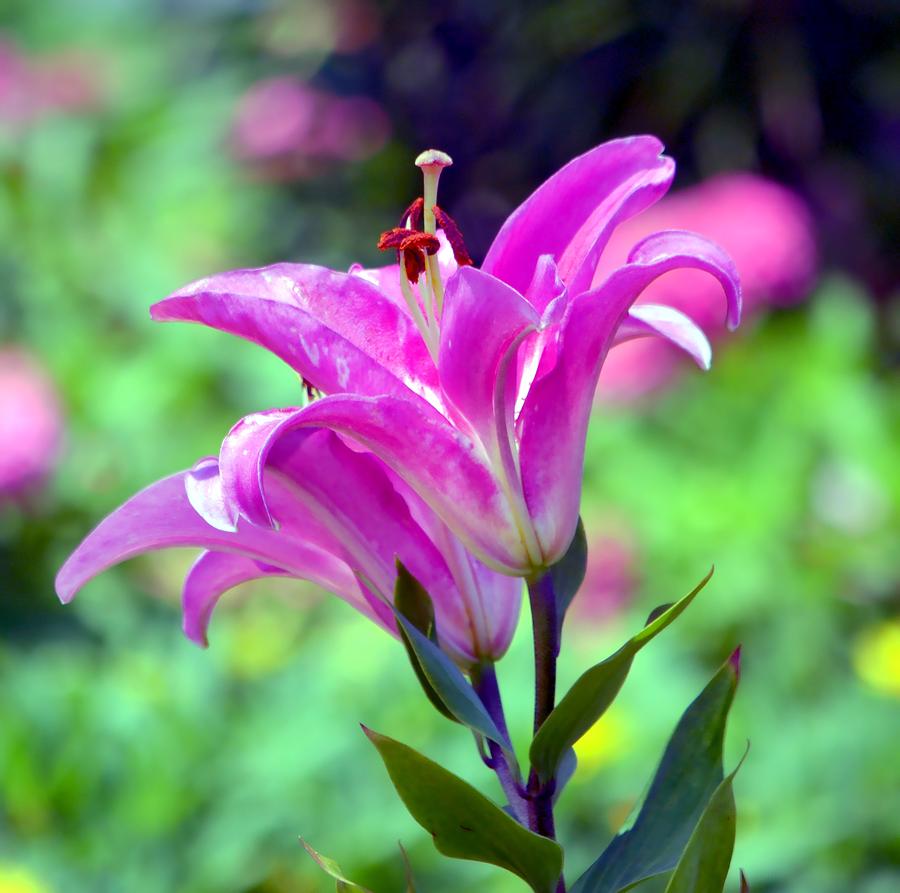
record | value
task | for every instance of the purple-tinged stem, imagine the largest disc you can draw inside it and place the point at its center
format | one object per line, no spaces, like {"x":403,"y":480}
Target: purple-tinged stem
{"x":545,"y":622}
{"x":484,"y":681}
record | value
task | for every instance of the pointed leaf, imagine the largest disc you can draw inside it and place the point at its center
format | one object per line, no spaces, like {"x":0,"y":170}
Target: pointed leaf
{"x":687,"y":777}
{"x":330,"y":867}
{"x":463,"y":822}
{"x":448,"y":683}
{"x":703,"y":867}
{"x":568,"y":573}
{"x":593,"y":692}
{"x":413,"y":602}
{"x":745,"y":885}
{"x":567,"y":767}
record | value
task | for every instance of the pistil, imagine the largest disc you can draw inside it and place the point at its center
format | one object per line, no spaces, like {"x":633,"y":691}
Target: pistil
{"x":432,"y":162}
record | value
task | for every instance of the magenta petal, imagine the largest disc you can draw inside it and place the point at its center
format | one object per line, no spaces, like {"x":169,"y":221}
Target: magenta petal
{"x":336,"y":329}
{"x":680,"y":250}
{"x":210,"y":577}
{"x":203,"y":487}
{"x":160,"y":517}
{"x":242,"y":462}
{"x":572,"y":215}
{"x":351,"y":494}
{"x":545,"y":286}
{"x":443,"y":465}
{"x":554,"y":417}
{"x":644,"y":320}
{"x":484,"y":322}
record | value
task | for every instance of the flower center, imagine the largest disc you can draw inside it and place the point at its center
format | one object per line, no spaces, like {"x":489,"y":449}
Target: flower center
{"x":416,"y":243}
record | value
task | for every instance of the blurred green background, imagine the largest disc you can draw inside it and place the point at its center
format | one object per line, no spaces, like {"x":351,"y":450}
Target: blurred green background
{"x":144,"y":143}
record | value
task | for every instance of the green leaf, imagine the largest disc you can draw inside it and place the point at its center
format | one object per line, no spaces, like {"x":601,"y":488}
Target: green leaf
{"x":568,"y":573}
{"x":449,"y":685}
{"x":684,"y":784}
{"x":463,"y":822}
{"x":593,"y":692}
{"x":330,"y":867}
{"x":413,"y":602}
{"x":703,"y":867}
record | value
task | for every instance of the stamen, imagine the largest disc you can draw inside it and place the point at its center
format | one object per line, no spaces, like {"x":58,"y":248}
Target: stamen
{"x":413,"y":265}
{"x":413,"y":245}
{"x":412,"y":216}
{"x":454,"y":236}
{"x":392,"y":238}
{"x":428,"y":333}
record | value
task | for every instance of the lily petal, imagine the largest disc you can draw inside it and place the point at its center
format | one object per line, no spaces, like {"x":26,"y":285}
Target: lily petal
{"x":491,"y":601}
{"x":210,"y":577}
{"x":161,"y":517}
{"x":336,"y":329}
{"x":484,"y":322}
{"x":572,"y":215}
{"x":553,"y":421}
{"x":678,"y":250}
{"x":438,"y":461}
{"x":644,"y":320}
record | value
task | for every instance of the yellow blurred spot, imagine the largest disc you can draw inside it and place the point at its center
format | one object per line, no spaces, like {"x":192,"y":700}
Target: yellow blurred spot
{"x":18,"y":880}
{"x":604,"y":743}
{"x":264,"y":634}
{"x":876,"y":657}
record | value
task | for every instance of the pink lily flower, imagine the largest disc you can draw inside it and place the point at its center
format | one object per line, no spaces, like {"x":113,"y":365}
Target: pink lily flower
{"x":477,"y":395}
{"x":343,"y":520}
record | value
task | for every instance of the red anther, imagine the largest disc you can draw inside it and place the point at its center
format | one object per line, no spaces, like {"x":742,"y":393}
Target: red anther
{"x":412,"y":216}
{"x":414,"y":245}
{"x":454,"y":237}
{"x":414,"y":264}
{"x":392,"y":238}
{"x":414,"y":248}
{"x":426,"y":242}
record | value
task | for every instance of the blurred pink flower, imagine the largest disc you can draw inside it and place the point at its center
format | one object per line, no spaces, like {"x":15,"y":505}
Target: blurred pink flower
{"x":767,"y":230}
{"x":31,"y":424}
{"x":32,"y":87}
{"x":611,"y":571}
{"x":289,"y":128}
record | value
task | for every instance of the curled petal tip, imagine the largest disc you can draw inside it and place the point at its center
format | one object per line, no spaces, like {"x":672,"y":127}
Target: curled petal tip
{"x":64,"y":592}
{"x":198,"y":638}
